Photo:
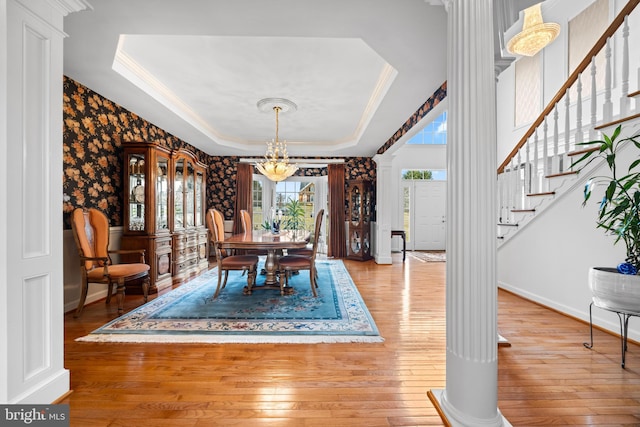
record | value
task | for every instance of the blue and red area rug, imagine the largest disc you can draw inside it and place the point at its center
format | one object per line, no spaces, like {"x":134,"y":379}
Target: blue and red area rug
{"x":190,"y":314}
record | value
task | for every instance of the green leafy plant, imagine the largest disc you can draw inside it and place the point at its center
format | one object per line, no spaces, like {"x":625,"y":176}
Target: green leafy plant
{"x":619,"y":209}
{"x":294,"y":219}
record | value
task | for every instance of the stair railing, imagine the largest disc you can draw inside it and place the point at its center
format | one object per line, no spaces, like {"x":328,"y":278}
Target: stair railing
{"x":543,"y":153}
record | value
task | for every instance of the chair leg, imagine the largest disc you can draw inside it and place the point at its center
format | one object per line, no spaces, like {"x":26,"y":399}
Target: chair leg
{"x":83,"y":297}
{"x":215,"y":295}
{"x":145,"y":287}
{"x":120,"y":295}
{"x":226,"y":276}
{"x":109,"y":293}
{"x":312,"y":280}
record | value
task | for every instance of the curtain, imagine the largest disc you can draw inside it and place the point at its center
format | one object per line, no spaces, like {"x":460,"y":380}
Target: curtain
{"x":337,"y":237}
{"x":244,"y":185}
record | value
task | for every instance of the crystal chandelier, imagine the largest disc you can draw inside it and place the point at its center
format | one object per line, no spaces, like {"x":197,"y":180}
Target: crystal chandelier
{"x":276,"y":164}
{"x":535,"y":33}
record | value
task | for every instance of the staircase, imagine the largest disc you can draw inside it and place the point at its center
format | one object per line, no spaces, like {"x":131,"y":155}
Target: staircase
{"x":538,"y":170}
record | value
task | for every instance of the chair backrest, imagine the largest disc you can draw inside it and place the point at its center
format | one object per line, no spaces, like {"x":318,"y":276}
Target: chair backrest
{"x":215,"y":223}
{"x":91,"y":233}
{"x":247,"y":226}
{"x":316,"y":233}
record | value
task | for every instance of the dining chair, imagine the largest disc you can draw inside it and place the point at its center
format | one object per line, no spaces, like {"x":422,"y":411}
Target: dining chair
{"x":225,"y":259}
{"x":290,"y":263}
{"x":247,"y":227}
{"x":91,"y":233}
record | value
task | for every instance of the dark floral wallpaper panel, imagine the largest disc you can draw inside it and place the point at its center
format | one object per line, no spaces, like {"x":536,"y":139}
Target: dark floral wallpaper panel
{"x":94,"y":135}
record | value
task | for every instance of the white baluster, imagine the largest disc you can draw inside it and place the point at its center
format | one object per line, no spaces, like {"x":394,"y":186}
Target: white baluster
{"x":513,"y":190}
{"x":607,"y":108}
{"x":527,"y":170}
{"x":545,"y":154}
{"x":579,"y":133}
{"x":594,"y":106}
{"x":519,"y":182}
{"x":567,"y":132}
{"x":556,"y":159}
{"x":624,"y":98}
{"x":536,"y":165}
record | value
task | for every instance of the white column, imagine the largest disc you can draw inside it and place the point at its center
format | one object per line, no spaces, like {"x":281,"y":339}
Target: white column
{"x":31,"y":281}
{"x":470,"y":397}
{"x":384,"y":213}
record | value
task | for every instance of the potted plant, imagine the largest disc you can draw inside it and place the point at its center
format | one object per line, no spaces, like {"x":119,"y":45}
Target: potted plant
{"x":619,"y":215}
{"x":295,"y":215}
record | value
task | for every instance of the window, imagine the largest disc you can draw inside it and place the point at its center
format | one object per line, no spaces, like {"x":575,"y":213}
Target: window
{"x":433,"y":133}
{"x":436,"y":175}
{"x":257,"y":204}
{"x":303,"y":192}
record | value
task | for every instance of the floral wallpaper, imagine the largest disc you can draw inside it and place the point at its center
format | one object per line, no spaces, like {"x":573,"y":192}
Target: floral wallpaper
{"x":424,"y":109}
{"x":94,"y":134}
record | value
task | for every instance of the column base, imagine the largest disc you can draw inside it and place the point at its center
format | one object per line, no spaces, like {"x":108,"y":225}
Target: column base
{"x":435,"y":396}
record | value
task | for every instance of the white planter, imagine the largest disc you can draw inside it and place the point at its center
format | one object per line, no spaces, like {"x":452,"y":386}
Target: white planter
{"x":614,"y":291}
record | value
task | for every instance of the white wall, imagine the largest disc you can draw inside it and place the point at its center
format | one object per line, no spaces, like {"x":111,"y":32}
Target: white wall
{"x":548,"y":261}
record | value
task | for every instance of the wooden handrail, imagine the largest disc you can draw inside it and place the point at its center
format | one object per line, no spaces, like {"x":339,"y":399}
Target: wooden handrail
{"x":602,"y":41}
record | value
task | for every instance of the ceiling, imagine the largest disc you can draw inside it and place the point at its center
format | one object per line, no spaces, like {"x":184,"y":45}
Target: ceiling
{"x":356,"y":70}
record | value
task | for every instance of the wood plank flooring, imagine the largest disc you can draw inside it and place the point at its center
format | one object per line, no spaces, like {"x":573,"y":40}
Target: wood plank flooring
{"x":546,"y":377}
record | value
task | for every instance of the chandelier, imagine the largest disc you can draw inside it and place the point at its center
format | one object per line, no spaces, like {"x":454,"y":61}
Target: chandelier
{"x":535,"y":34}
{"x":276,"y":164}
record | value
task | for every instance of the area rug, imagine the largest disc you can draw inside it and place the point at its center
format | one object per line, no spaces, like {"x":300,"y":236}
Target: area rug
{"x":431,"y":256}
{"x":190,"y":314}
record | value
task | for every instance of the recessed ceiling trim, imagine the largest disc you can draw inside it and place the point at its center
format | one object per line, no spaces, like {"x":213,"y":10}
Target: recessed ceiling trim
{"x":139,"y":76}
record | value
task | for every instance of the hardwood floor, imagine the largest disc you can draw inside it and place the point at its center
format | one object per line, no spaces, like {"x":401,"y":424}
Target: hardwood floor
{"x":546,"y":377}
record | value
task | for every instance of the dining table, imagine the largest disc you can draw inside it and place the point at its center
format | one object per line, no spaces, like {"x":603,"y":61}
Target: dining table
{"x":273,"y":244}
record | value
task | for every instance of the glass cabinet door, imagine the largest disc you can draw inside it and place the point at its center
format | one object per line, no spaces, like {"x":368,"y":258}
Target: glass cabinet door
{"x":162,"y":195}
{"x":190,"y":196}
{"x":356,"y":200}
{"x":178,"y":194}
{"x":199,"y":188}
{"x":137,"y":176}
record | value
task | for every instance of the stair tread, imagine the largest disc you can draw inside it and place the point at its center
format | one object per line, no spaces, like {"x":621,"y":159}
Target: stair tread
{"x":561,"y":174}
{"x":583,"y":151}
{"x":546,"y":193}
{"x":615,"y":122}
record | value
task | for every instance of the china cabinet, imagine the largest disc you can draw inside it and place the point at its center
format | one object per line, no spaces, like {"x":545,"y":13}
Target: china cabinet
{"x":164,"y":210}
{"x":359,"y":204}
{"x":190,"y":237}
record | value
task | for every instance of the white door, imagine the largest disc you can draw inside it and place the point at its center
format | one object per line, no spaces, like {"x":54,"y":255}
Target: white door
{"x":428,"y":214}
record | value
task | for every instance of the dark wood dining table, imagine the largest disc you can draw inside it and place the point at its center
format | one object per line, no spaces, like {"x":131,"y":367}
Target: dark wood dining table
{"x":273,"y":244}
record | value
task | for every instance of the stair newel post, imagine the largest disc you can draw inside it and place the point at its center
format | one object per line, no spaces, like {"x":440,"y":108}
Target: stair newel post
{"x":607,"y":108}
{"x":624,"y":98}
{"x":555,"y":161}
{"x":536,"y":166}
{"x":594,"y":100}
{"x":579,"y":134}
{"x":567,"y":132}
{"x":545,"y":153}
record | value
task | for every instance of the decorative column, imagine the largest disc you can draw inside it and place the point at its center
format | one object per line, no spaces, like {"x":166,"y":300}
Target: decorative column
{"x":470,"y":397}
{"x":31,"y":273}
{"x":382,"y":252}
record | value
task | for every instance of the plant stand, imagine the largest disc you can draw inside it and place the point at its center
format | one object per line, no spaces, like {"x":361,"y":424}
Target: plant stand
{"x":623,"y":316}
